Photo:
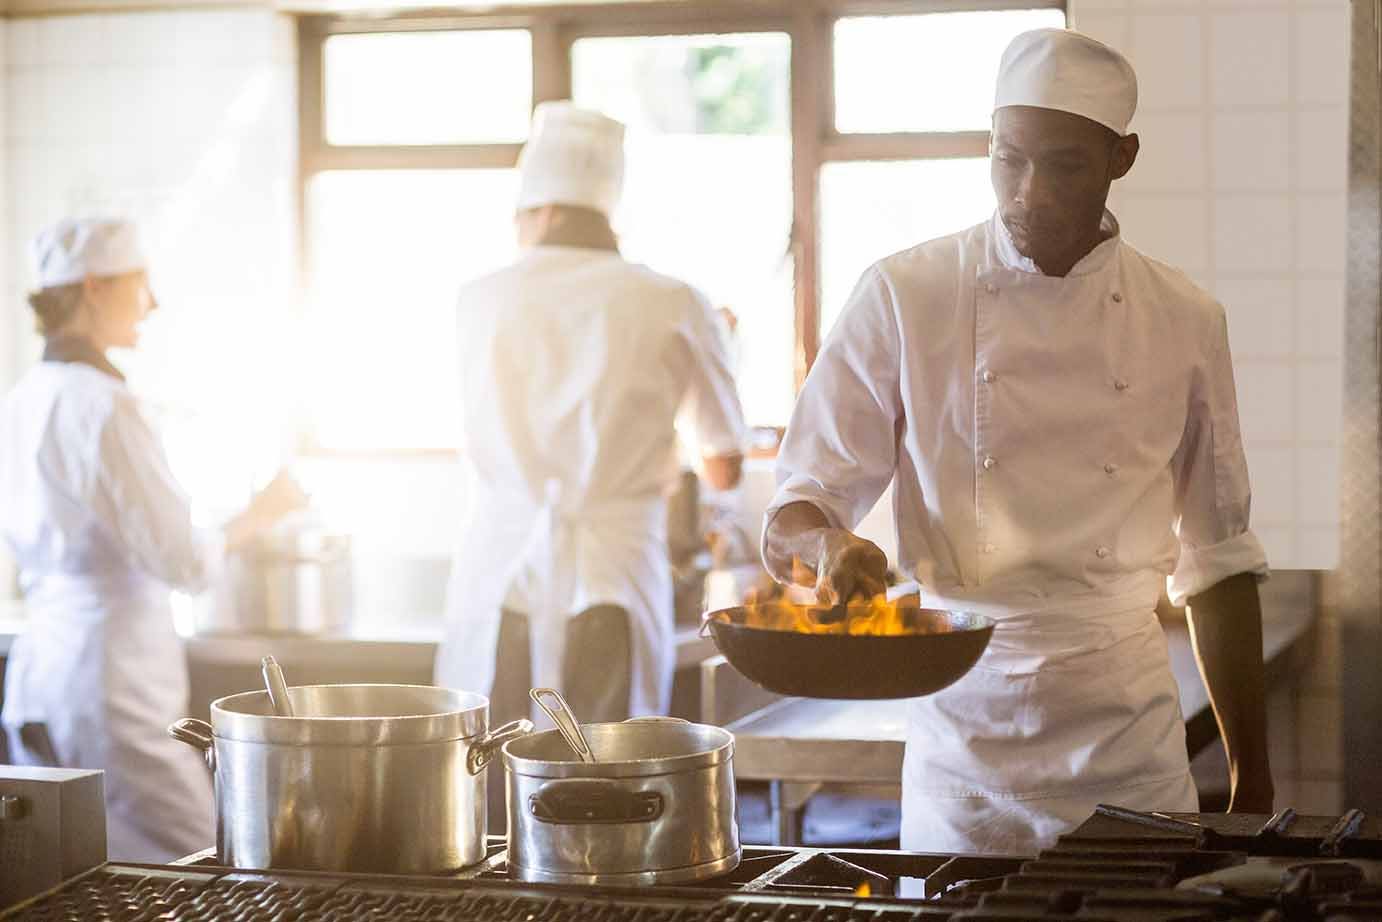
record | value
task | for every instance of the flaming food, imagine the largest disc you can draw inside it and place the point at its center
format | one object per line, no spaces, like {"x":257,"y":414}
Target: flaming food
{"x":877,"y":617}
{"x":870,"y":649}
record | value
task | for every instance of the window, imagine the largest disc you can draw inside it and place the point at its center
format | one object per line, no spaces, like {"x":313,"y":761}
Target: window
{"x":912,"y":98}
{"x":428,"y":87}
{"x":933,"y":72}
{"x":749,"y":176}
{"x":872,"y":209}
{"x":709,"y":122}
{"x":384,"y":296}
{"x":409,"y":185}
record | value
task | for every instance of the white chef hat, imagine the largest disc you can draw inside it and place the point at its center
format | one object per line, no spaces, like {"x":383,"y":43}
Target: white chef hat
{"x":76,"y":248}
{"x":573,"y":157}
{"x":1071,"y":72}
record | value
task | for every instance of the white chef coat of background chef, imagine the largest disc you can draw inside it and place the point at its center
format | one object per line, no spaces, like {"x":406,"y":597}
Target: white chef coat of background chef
{"x":1060,"y":447}
{"x":100,"y":532}
{"x":572,"y":454}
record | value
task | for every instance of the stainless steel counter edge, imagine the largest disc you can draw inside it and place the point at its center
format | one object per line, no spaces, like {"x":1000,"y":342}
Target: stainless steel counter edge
{"x":407,"y":643}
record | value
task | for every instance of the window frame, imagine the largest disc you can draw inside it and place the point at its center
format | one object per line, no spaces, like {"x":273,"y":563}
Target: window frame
{"x":809,"y":24}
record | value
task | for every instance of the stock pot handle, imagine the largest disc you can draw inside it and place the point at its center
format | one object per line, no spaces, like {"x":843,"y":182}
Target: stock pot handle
{"x":484,"y":749}
{"x":197,"y":734}
{"x":584,"y":801}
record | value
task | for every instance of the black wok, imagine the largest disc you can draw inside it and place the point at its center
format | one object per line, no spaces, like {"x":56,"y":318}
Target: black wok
{"x":943,"y":647}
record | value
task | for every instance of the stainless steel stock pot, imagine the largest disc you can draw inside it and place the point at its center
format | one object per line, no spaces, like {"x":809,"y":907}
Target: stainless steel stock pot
{"x":370,"y":778}
{"x":656,"y":807}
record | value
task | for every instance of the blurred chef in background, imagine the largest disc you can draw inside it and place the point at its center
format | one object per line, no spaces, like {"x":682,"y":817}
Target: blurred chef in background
{"x":102,"y":533}
{"x":576,"y":365}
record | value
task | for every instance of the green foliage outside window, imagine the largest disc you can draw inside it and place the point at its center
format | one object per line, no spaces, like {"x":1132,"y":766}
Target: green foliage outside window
{"x":738,"y":89}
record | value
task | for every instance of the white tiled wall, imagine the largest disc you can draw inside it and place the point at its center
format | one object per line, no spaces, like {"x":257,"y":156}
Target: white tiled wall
{"x":185,"y":121}
{"x":7,"y":340}
{"x":1241,"y":182}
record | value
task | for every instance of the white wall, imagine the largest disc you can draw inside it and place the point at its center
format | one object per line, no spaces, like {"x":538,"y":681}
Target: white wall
{"x":7,"y":336}
{"x":185,"y":121}
{"x":1241,"y":182}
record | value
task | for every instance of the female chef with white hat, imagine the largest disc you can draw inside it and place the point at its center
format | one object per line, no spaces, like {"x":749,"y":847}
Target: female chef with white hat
{"x":1057,"y":414}
{"x":101,"y":533}
{"x":576,"y":365}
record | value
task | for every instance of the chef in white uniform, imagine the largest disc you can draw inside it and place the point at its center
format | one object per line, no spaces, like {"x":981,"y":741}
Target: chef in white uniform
{"x":1056,"y":412}
{"x":577,"y":364}
{"x":101,"y":533}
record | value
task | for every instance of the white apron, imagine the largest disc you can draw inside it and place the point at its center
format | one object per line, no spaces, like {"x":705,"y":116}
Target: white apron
{"x":1063,"y":712}
{"x":104,"y":675}
{"x":100,"y":532}
{"x":551,"y":561}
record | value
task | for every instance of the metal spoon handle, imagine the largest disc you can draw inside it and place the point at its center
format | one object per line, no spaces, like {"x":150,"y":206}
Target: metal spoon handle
{"x":278,"y":689}
{"x":561,"y":715}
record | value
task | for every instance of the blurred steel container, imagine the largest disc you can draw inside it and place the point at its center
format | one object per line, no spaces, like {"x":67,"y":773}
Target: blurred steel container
{"x":369,"y":778}
{"x":298,"y":581}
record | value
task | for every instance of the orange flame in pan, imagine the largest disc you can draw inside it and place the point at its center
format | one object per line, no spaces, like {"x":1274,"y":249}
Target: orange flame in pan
{"x":876,"y":617}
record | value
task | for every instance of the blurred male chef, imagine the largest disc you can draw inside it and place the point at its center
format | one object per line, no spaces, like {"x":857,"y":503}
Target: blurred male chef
{"x":1057,"y":412}
{"x":576,"y":364}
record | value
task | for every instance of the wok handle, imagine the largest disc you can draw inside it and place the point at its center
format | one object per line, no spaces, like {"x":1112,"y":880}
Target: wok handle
{"x":588,"y":801}
{"x":197,"y":734}
{"x":483,"y":750}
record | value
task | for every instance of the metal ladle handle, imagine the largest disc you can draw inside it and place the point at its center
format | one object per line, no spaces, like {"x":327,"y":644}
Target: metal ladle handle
{"x":277,"y":687}
{"x":566,"y":722}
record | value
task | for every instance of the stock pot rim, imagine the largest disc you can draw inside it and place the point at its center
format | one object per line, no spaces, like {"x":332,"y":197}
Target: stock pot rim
{"x":242,"y":717}
{"x":719,"y":753}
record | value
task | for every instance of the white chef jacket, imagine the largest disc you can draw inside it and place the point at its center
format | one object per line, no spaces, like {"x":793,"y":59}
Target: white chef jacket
{"x":1058,"y":448}
{"x":101,"y":532}
{"x":576,"y":364}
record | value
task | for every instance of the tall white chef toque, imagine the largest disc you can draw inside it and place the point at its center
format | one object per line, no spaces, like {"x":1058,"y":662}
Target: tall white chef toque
{"x":573,"y":157}
{"x":1065,"y":70}
{"x":76,"y":248}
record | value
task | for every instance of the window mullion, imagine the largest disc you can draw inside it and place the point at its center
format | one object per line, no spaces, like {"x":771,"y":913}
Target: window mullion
{"x":809,"y":55}
{"x":905,"y":145}
{"x":551,"y":61}
{"x":422,"y":157}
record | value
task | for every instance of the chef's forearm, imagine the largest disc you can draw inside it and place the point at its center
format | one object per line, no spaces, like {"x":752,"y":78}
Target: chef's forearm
{"x":793,"y":541}
{"x":1226,"y":631}
{"x":723,"y":472}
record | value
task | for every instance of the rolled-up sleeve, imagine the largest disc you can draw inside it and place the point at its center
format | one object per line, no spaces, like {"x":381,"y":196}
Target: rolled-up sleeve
{"x":1213,"y":497}
{"x":840,"y":450}
{"x":136,"y":498}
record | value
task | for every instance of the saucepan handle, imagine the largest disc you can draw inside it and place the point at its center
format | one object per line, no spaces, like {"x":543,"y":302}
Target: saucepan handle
{"x":585,"y":801}
{"x":483,"y":750}
{"x":197,"y":734}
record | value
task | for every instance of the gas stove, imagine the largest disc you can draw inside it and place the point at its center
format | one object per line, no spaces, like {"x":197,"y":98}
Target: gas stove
{"x":1116,"y":866}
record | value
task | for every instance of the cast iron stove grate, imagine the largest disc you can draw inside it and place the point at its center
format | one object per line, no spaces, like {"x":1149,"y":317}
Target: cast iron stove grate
{"x":1223,"y":869}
